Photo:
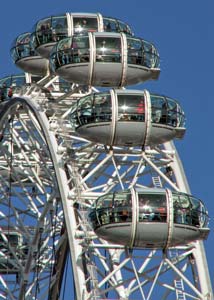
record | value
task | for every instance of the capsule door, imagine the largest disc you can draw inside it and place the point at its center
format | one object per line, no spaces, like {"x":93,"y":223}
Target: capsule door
{"x":130,"y":126}
{"x":152,"y":226}
{"x":107,"y":60}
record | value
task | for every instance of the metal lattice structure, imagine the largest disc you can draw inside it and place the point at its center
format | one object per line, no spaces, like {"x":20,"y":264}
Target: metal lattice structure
{"x":50,"y":178}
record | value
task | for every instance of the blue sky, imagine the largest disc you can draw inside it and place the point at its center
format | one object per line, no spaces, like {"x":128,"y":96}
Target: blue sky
{"x":183,"y":33}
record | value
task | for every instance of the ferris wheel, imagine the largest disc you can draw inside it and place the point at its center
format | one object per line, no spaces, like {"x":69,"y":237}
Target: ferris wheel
{"x":93,"y":193}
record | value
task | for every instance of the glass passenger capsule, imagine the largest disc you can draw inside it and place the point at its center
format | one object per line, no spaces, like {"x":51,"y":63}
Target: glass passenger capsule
{"x":105,"y":59}
{"x":26,"y":58}
{"x":149,"y":218}
{"x":48,"y":31}
{"x":128,"y":118}
{"x":10,"y":85}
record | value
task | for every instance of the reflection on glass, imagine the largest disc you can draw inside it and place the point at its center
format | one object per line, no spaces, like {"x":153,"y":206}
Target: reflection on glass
{"x":108,"y":49}
{"x":93,"y":108}
{"x":152,"y":207}
{"x":167,"y":111}
{"x":189,"y":210}
{"x":112,"y":208}
{"x":131,"y":108}
{"x":22,"y":47}
{"x":110,"y":25}
{"x":141,"y":52}
{"x":11,"y":84}
{"x":117,"y":207}
{"x":83,"y":25}
{"x":49,"y":30}
{"x":55,"y":28}
{"x":70,"y":50}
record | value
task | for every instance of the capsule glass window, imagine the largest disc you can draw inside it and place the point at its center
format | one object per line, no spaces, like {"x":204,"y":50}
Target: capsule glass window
{"x":175,"y":113}
{"x":159,"y":109}
{"x":104,"y":211}
{"x":80,"y":49}
{"x":172,"y":112}
{"x":199,"y":213}
{"x":22,"y":47}
{"x":19,"y":80}
{"x":151,"y":59}
{"x":112,"y":208}
{"x":15,"y":80}
{"x":181,"y":209}
{"x":105,"y":201}
{"x":166,"y":111}
{"x":64,"y":44}
{"x":84,"y":109}
{"x":152,"y":207}
{"x":83,"y":25}
{"x":122,"y":207}
{"x":110,"y":25}
{"x":59,"y":28}
{"x":34,"y":39}
{"x":108,"y":49}
{"x":122,"y":199}
{"x":102,"y":108}
{"x":131,"y":107}
{"x":189,"y":210}
{"x":123,"y":27}
{"x":61,"y":53}
{"x":43,"y":31}
{"x":4,"y":82}
{"x":135,"y":51}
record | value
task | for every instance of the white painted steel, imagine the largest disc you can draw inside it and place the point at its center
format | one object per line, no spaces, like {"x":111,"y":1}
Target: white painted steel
{"x":81,"y":172}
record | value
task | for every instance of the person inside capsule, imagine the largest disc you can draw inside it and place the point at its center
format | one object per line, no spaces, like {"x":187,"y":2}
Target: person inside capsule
{"x":108,"y":49}
{"x":164,"y":110}
{"x":151,"y":207}
{"x":84,"y":25}
{"x":49,"y":30}
{"x":10,"y":84}
{"x":22,"y":47}
{"x":55,"y":28}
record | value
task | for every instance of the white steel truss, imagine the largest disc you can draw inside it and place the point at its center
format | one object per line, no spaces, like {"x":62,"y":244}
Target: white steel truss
{"x":49,"y":180}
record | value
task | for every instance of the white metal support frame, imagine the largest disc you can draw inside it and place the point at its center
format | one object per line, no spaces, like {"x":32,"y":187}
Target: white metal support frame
{"x":69,"y":173}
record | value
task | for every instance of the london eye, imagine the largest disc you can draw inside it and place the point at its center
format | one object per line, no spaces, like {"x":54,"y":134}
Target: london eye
{"x":93,"y":192}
